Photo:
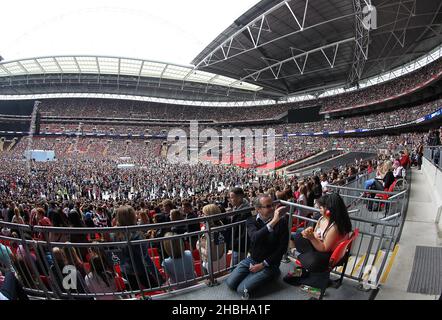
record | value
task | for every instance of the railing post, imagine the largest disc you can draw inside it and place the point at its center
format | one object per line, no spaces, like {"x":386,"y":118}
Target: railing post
{"x":285,"y":258}
{"x":129,"y":247}
{"x":212,"y":280}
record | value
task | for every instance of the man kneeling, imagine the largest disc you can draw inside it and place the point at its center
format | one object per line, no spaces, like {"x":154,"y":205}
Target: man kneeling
{"x":269,"y":236}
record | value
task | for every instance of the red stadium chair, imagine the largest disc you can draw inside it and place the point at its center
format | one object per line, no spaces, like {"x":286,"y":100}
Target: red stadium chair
{"x":197,"y":266}
{"x":296,"y":225}
{"x":384,"y":196}
{"x":156,"y":260}
{"x":119,"y":283}
{"x":5,"y":242}
{"x":196,"y":255}
{"x":87,"y":267}
{"x":339,"y":257}
{"x":45,"y":281}
{"x":153,"y":252}
{"x":228,"y":259}
{"x":397,"y":182}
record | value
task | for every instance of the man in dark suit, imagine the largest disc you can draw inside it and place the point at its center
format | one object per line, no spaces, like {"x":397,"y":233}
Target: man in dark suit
{"x":269,"y":236}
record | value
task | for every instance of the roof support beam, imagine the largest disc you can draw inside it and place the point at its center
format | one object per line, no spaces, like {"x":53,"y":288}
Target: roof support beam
{"x":161,"y":76}
{"x":139,"y":75}
{"x":61,"y":70}
{"x":39,"y":66}
{"x":6,"y":70}
{"x":187,"y":76}
{"x":362,"y":34}
{"x":278,"y":64}
{"x":332,"y":61}
{"x":393,"y":33}
{"x":219,"y":54}
{"x":58,"y":65}
{"x":76,"y":63}
{"x":301,"y":26}
{"x":22,"y":67}
{"x":98,"y":68}
{"x":119,"y":70}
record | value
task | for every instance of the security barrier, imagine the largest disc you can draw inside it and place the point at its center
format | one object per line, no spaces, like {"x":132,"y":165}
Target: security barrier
{"x":130,"y":265}
{"x":120,"y":263}
{"x":434,"y":155}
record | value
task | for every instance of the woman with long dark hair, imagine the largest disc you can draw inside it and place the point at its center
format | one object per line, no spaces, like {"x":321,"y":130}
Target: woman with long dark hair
{"x":100,"y":279}
{"x":136,"y":265}
{"x":316,"y":245}
{"x":59,"y":220}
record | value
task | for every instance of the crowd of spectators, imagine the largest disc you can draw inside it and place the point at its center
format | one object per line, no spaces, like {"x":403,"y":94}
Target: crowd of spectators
{"x":370,"y":121}
{"x":101,"y":182}
{"x":99,"y":108}
{"x":383,"y":91}
{"x":90,"y":167}
{"x":90,"y":190}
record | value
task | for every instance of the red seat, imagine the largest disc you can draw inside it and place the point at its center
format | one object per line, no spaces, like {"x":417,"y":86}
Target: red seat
{"x":341,"y":252}
{"x":87,"y":267}
{"x":119,"y":283}
{"x":196,"y":255}
{"x":339,"y":257}
{"x":152,"y":252}
{"x":163,"y":273}
{"x":228,"y":259}
{"x":296,"y":225}
{"x":5,"y":242}
{"x":45,"y":281}
{"x":156,"y":260}
{"x":390,"y":189}
{"x":197,"y":266}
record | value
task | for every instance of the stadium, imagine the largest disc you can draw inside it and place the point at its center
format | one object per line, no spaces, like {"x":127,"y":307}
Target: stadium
{"x":297,"y":156}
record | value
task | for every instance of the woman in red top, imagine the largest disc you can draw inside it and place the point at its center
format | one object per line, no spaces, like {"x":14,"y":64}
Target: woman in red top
{"x":42,"y":220}
{"x":370,"y":167}
{"x":405,"y":159}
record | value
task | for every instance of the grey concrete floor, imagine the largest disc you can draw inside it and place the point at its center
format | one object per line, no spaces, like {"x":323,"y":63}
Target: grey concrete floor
{"x":419,"y":230}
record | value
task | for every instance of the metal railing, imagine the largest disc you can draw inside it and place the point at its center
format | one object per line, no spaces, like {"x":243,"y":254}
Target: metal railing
{"x":123,"y":255}
{"x":120,"y":263}
{"x":434,"y":155}
{"x":378,"y":233}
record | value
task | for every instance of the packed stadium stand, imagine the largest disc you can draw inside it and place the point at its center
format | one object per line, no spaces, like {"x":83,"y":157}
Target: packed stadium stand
{"x":151,"y":180}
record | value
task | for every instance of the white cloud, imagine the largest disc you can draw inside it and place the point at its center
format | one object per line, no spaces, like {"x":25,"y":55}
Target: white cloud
{"x":171,"y":31}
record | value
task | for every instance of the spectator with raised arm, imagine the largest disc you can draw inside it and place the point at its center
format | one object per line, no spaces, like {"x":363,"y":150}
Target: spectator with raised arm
{"x":269,"y":236}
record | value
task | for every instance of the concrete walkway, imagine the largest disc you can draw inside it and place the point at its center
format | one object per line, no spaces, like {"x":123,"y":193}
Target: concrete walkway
{"x":419,"y":230}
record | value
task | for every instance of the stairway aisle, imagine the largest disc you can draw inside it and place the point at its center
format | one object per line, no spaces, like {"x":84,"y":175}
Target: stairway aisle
{"x":419,"y":230}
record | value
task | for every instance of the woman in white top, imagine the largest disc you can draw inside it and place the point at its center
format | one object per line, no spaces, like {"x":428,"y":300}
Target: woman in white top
{"x":17,"y":218}
{"x":100,"y":280}
{"x":217,"y":245}
{"x":398,"y":170}
{"x":302,"y":200}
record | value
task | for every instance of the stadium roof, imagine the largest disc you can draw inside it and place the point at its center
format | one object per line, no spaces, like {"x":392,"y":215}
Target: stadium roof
{"x":117,"y":66}
{"x":278,"y":51}
{"x":309,"y":45}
